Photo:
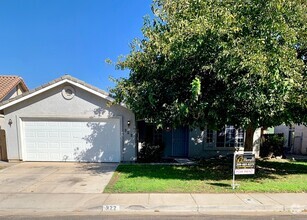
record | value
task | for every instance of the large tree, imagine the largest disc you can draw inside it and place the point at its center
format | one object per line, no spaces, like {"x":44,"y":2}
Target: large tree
{"x":210,"y":63}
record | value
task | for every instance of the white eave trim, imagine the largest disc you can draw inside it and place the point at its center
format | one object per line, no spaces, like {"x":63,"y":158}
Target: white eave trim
{"x":92,"y":91}
{"x":55,"y":85}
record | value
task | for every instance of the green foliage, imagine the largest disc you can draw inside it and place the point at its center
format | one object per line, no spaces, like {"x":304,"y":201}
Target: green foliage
{"x":272,"y":145}
{"x":211,"y":63}
{"x":150,"y":153}
{"x":196,"y":88}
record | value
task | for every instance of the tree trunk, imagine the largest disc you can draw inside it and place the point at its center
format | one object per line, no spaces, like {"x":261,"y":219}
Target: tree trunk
{"x":248,"y":146}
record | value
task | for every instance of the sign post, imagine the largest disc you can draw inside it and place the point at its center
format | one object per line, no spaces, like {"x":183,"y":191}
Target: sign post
{"x":243,"y":164}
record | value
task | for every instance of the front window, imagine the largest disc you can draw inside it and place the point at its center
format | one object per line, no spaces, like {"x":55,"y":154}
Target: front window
{"x":240,"y":137}
{"x":209,"y":138}
{"x":230,"y":137}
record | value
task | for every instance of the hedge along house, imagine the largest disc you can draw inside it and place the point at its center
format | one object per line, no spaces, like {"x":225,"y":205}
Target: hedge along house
{"x":68,"y":120}
{"x":195,"y":143}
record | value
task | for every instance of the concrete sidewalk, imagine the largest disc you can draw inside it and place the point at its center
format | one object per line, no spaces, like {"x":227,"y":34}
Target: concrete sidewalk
{"x":152,"y":202}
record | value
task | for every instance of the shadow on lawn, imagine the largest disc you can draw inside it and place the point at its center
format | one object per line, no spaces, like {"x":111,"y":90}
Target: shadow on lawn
{"x":220,"y":169}
{"x":220,"y":184}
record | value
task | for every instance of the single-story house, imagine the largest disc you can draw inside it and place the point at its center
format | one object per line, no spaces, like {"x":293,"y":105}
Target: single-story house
{"x":10,"y":87}
{"x":295,"y":137}
{"x":68,"y":120}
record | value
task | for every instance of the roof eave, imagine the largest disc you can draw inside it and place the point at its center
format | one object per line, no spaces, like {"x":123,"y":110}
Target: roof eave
{"x":53,"y":84}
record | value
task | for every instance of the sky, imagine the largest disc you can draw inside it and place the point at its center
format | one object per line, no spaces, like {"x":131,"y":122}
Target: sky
{"x":41,"y":40}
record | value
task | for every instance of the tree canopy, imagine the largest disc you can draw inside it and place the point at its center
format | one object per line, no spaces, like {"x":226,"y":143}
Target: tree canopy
{"x":211,"y":63}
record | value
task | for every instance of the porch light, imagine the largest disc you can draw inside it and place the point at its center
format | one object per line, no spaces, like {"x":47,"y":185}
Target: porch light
{"x":10,"y":122}
{"x":128,"y":123}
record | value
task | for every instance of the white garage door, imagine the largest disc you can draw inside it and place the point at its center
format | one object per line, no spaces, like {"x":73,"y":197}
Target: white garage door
{"x":71,"y":141}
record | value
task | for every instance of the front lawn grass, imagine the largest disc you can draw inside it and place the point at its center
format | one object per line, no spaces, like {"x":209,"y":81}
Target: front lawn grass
{"x":211,"y":176}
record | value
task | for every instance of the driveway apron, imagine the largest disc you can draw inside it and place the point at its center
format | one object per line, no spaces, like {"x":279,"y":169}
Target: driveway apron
{"x":56,"y":177}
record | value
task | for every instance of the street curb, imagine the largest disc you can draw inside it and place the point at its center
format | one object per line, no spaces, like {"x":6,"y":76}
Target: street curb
{"x":295,"y":208}
{"x":212,"y":208}
{"x":165,"y":209}
{"x":148,"y":203}
{"x":244,"y":208}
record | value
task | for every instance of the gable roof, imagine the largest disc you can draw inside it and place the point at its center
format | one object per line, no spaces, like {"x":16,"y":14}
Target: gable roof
{"x":59,"y":81}
{"x":8,"y":83}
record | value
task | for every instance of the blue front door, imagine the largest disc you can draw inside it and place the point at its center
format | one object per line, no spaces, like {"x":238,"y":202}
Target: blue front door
{"x":176,"y":142}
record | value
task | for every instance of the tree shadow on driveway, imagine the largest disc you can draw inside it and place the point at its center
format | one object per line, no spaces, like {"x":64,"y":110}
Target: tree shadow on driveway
{"x":98,"y":168}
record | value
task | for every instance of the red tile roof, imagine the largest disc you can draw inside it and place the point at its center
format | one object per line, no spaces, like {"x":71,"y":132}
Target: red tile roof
{"x":7,"y":83}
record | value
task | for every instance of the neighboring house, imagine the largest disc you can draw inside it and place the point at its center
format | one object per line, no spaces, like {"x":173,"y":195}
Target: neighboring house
{"x":295,"y":137}
{"x":10,"y":86}
{"x":68,"y":120}
{"x":196,"y":143}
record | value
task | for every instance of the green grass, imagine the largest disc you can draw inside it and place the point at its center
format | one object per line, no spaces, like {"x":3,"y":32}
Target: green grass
{"x":214,"y":176}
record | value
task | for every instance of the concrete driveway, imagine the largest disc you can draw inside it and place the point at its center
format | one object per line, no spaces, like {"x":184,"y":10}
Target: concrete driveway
{"x":53,"y":177}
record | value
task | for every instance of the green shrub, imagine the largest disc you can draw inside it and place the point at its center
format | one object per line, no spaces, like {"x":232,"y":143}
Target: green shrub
{"x":150,"y":153}
{"x":272,"y":145}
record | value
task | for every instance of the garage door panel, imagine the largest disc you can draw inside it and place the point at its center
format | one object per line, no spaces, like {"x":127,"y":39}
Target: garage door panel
{"x":72,"y":141}
{"x":30,"y":134}
{"x":39,"y":147}
{"x":40,"y":134}
{"x":32,"y":148}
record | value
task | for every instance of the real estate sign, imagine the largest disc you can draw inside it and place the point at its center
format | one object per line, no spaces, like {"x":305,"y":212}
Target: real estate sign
{"x":244,"y":163}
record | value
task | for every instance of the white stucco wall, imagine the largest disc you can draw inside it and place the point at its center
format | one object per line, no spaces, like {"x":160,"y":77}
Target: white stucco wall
{"x":300,"y":139}
{"x":51,"y":104}
{"x":256,"y":142}
{"x":283,"y":129}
